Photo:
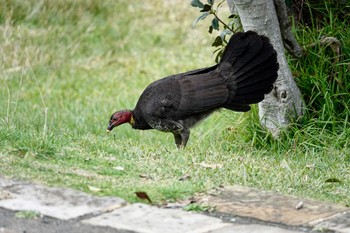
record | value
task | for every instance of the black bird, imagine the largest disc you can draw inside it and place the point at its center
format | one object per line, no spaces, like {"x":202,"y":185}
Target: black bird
{"x":245,"y":73}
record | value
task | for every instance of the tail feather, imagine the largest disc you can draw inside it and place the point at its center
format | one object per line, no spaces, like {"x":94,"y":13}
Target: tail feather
{"x":237,"y":46}
{"x":259,"y":73}
{"x":252,"y":83}
{"x":249,"y":66}
{"x":260,"y":61}
{"x":249,"y":55}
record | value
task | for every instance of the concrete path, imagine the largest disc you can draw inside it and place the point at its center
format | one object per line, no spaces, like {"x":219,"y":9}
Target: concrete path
{"x":35,"y":208}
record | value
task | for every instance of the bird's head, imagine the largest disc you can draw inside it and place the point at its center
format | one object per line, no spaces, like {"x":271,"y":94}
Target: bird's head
{"x":118,"y":118}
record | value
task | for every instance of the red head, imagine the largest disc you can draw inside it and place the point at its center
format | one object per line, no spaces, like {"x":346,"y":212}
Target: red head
{"x":119,"y":118}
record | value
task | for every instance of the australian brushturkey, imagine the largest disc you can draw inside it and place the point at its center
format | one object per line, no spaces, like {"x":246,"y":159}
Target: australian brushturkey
{"x":245,"y":73}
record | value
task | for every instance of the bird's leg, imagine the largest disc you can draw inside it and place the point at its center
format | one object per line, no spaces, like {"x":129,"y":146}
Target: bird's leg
{"x":178,"y":140}
{"x":185,"y":135}
{"x":182,"y":138}
{"x":181,"y":134}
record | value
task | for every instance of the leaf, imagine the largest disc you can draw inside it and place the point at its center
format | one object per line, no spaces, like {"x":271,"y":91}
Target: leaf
{"x":211,"y":2}
{"x":184,"y":177}
{"x":201,"y":17}
{"x":216,"y":50}
{"x":215,"y":24}
{"x":210,"y":29}
{"x":119,"y":168}
{"x":197,"y":3}
{"x":332,"y":180}
{"x":211,"y":166}
{"x":143,"y":196}
{"x":218,"y":56}
{"x":206,"y":8}
{"x":299,"y":205}
{"x":232,"y":16}
{"x":94,"y":189}
{"x":145,"y":176}
{"x":217,"y":42}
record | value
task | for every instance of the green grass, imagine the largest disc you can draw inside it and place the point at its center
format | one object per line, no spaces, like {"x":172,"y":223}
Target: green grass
{"x":67,"y":65}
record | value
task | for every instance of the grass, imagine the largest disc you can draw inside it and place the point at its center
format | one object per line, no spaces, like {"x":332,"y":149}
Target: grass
{"x":67,"y":65}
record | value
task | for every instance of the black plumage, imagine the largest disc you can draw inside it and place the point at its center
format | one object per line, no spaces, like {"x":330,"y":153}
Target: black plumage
{"x":245,"y":73}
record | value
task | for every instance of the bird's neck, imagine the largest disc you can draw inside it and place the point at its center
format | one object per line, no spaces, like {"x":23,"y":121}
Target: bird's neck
{"x":128,"y":117}
{"x":132,"y":120}
{"x":137,"y":121}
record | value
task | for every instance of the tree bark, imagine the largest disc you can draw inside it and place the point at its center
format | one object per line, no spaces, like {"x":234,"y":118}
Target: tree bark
{"x":284,"y":103}
{"x":289,"y":41}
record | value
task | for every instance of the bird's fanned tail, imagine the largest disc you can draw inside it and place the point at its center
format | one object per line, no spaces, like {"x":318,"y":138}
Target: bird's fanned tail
{"x":249,"y":64}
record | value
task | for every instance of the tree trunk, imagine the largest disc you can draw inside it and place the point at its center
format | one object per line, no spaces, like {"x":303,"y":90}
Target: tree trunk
{"x":284,"y":103}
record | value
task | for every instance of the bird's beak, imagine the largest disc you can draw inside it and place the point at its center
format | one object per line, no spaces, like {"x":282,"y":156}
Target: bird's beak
{"x":110,"y":127}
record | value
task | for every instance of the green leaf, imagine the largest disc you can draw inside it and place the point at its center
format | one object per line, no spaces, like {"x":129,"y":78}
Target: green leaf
{"x":217,"y":42}
{"x":218,"y":56}
{"x":201,"y":17}
{"x":206,"y":8}
{"x":332,"y":180}
{"x":211,"y":2}
{"x":232,"y":16}
{"x":197,"y":3}
{"x":216,"y":50}
{"x":215,"y":24}
{"x":210,"y":29}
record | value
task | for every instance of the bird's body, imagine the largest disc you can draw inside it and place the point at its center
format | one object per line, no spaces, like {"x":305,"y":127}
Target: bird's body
{"x":246,"y":73}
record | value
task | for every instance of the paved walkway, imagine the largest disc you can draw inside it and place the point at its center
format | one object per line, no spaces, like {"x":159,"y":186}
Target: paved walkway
{"x":26,"y":207}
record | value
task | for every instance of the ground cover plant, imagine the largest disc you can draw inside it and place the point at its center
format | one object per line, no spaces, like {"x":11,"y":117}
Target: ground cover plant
{"x":67,"y":65}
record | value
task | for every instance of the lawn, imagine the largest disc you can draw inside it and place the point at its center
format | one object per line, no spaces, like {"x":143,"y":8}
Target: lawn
{"x":66,"y":65}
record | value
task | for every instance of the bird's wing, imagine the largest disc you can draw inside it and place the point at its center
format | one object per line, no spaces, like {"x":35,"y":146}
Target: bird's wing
{"x":201,"y":92}
{"x":179,"y":96}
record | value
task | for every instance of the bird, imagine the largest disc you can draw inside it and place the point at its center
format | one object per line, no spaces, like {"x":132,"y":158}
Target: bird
{"x":246,"y":72}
